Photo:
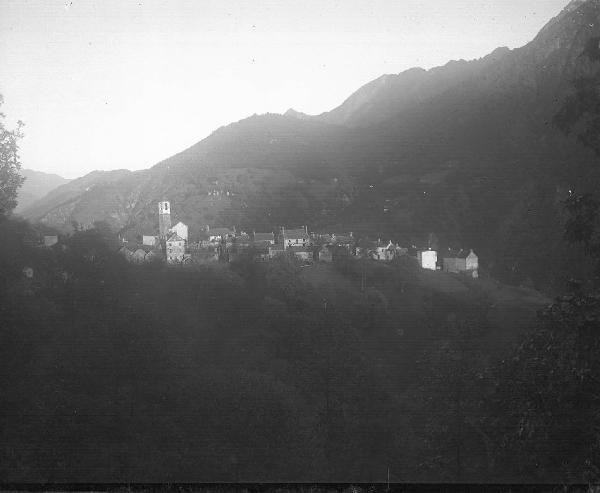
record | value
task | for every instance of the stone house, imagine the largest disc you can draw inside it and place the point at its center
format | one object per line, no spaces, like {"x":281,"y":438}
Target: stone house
{"x":295,"y":238}
{"x":461,"y":261}
{"x":175,"y":249}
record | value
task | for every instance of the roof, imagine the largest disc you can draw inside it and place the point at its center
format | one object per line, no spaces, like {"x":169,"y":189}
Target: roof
{"x":131,"y":247}
{"x":295,"y":233}
{"x":343,"y":238}
{"x":219,"y":231}
{"x":175,"y":237}
{"x":183,"y":224}
{"x":264,"y":237}
{"x":458,"y":254}
{"x":134,"y":247}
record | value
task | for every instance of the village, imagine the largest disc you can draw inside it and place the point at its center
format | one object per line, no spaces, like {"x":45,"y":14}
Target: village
{"x":173,"y":245}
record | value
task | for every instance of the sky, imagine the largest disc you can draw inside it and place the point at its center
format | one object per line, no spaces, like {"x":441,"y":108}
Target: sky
{"x":112,"y":84}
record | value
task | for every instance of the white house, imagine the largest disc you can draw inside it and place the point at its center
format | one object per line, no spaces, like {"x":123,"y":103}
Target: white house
{"x":149,"y":240}
{"x":181,"y":230}
{"x":427,"y":259}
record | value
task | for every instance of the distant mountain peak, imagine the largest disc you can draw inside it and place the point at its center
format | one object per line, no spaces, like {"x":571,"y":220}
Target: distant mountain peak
{"x":296,"y":114}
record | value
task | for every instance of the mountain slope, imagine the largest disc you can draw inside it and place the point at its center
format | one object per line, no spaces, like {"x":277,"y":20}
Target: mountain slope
{"x":468,"y":150}
{"x":36,"y":185}
{"x":59,"y":206}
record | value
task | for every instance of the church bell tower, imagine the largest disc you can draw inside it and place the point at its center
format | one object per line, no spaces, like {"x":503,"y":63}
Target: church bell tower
{"x":164,"y":219}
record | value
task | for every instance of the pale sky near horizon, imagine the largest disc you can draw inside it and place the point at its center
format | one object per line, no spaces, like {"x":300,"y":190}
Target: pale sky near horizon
{"x":124,"y":84}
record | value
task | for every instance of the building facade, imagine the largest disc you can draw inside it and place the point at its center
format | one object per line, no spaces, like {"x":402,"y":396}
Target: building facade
{"x":175,"y":249}
{"x":461,"y":261}
{"x":181,"y":230}
{"x":427,"y":259}
{"x":295,"y":238}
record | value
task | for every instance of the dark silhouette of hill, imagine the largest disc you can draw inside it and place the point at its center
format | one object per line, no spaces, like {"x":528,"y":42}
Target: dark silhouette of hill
{"x":469,"y":150}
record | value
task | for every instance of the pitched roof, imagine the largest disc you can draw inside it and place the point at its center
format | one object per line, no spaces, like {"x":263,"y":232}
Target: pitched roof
{"x":220,"y":231}
{"x":343,"y":238}
{"x":458,"y":253}
{"x":264,"y":237}
{"x":175,"y":237}
{"x":295,"y":233}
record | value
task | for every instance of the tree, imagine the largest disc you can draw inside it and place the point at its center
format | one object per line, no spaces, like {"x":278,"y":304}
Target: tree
{"x":10,"y":179}
{"x":547,"y":396}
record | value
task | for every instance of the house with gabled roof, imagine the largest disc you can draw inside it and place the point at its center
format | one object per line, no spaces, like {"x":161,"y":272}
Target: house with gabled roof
{"x":216,"y":235}
{"x":175,"y":249}
{"x":138,"y":256}
{"x":181,"y":230}
{"x":264,"y":238}
{"x":297,"y":237}
{"x":461,"y":261}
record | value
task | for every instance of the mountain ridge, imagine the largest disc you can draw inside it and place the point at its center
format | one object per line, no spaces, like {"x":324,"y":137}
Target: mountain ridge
{"x":464,"y":150}
{"x":36,"y":185}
